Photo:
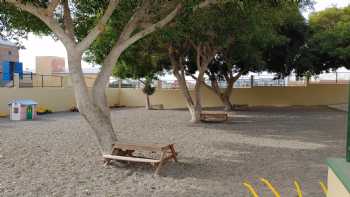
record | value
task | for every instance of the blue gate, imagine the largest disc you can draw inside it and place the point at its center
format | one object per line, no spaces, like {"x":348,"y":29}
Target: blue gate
{"x":8,"y":68}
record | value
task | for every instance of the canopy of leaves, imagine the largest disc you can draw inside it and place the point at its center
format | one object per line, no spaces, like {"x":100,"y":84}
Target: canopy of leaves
{"x":16,"y":24}
{"x":328,"y":46}
{"x":140,"y":61}
{"x":250,"y":35}
{"x":280,"y":58}
{"x":155,"y":10}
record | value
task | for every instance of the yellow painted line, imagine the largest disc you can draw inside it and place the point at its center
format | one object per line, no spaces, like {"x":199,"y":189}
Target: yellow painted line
{"x":324,"y":188}
{"x":297,"y":187}
{"x":270,"y":186}
{"x":250,"y":189}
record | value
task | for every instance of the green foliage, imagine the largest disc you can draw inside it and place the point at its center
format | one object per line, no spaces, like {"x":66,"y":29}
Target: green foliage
{"x":140,"y":61}
{"x":251,"y":36}
{"x":125,"y":10}
{"x":104,"y":43}
{"x":281,"y":57}
{"x":328,"y":46}
{"x":148,"y":89}
{"x":16,"y":24}
{"x":249,"y":25}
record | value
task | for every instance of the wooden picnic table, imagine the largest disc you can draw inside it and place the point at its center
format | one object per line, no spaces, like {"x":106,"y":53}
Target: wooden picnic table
{"x":125,"y":152}
{"x":214,"y":116}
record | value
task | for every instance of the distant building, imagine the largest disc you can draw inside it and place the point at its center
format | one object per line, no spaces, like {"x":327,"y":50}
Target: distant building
{"x":8,"y":51}
{"x":52,"y":67}
{"x":48,"y":65}
{"x":9,"y":63}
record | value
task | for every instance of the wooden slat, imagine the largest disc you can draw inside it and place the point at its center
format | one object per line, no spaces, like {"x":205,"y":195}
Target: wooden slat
{"x":214,"y":116}
{"x":134,"y":159}
{"x":147,"y":147}
{"x":214,"y":112}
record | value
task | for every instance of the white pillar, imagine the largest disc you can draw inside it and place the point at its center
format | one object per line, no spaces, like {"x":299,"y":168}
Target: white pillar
{"x":16,"y":80}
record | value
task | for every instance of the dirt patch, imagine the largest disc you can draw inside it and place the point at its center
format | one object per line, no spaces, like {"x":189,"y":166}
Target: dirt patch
{"x":57,"y":154}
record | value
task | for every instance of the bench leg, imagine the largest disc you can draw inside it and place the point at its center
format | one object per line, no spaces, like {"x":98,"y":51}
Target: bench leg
{"x":106,"y":162}
{"x":162,"y":160}
{"x":173,"y":152}
{"x":115,"y":151}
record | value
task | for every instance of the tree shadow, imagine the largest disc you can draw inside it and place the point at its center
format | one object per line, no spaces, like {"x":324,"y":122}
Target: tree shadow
{"x":310,"y":124}
{"x":189,"y":167}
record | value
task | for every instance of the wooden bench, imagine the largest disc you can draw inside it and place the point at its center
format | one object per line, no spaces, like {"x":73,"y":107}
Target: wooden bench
{"x":157,"y":107}
{"x":213,"y":116}
{"x":125,"y":152}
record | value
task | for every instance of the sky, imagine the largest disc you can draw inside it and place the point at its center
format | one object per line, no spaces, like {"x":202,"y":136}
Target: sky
{"x":46,"y":46}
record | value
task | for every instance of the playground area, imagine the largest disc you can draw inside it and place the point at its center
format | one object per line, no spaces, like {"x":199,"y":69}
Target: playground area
{"x":55,"y":156}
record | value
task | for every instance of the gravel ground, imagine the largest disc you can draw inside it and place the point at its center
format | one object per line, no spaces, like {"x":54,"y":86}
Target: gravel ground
{"x":57,"y":155}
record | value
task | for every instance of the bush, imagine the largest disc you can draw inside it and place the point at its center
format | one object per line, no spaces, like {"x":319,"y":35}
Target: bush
{"x":42,"y":110}
{"x":148,"y":89}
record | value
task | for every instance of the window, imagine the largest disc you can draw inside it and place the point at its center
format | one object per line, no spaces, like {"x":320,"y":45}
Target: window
{"x":15,"y":110}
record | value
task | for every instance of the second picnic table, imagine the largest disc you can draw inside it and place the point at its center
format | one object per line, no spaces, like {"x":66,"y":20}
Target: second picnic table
{"x":213,"y":116}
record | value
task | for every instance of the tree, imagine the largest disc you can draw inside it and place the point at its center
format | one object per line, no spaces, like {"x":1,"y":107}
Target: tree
{"x":222,"y":40}
{"x":148,"y":90}
{"x":328,"y":45}
{"x":71,"y":22}
{"x":192,"y":44}
{"x":267,"y":40}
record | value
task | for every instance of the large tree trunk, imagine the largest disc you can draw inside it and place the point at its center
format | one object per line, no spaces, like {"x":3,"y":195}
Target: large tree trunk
{"x":148,"y":103}
{"x":192,"y":107}
{"x":197,"y":109}
{"x":98,"y":120}
{"x":195,"y":114}
{"x":224,"y":95}
{"x":198,"y":100}
{"x":227,"y":103}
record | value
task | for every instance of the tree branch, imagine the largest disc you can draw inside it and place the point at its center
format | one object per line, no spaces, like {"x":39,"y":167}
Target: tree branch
{"x":51,"y":7}
{"x":227,"y":78}
{"x":99,"y":27}
{"x":203,"y":82}
{"x":205,"y":4}
{"x":153,"y":27}
{"x":121,"y":45}
{"x":68,"y":22}
{"x":130,"y":26}
{"x":142,"y":82}
{"x":164,"y":22}
{"x":238,"y":75}
{"x":49,"y":21}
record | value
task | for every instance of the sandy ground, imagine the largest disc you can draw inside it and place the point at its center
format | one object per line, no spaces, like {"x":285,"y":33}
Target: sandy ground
{"x":57,"y":154}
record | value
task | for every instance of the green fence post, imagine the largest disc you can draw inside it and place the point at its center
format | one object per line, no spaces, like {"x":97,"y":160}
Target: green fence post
{"x":348,"y":132}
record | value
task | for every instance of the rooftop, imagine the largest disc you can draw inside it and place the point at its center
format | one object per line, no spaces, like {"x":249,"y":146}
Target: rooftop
{"x":23,"y":102}
{"x":6,"y":43}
